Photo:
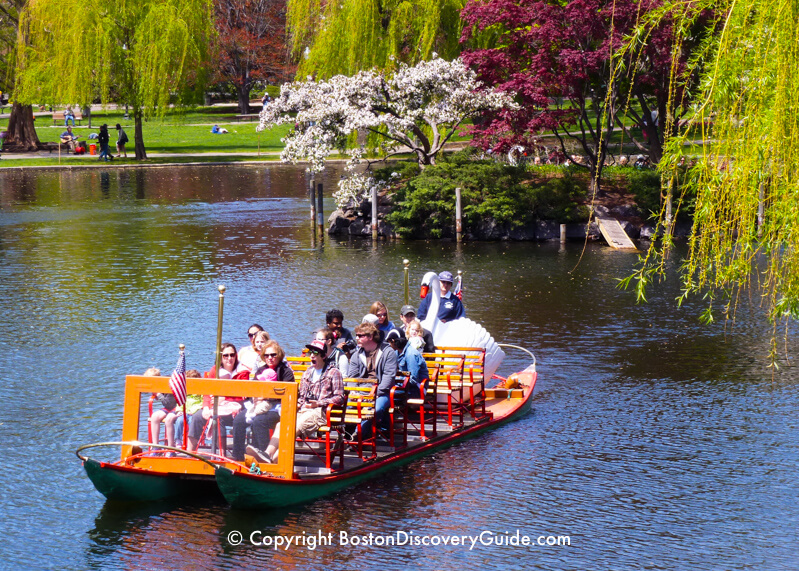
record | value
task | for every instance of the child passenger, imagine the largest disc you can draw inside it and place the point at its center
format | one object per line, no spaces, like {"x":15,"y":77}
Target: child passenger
{"x":166,"y":414}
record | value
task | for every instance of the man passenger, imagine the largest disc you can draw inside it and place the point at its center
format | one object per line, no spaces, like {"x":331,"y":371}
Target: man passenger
{"x":378,"y":361}
{"x":408,"y":316}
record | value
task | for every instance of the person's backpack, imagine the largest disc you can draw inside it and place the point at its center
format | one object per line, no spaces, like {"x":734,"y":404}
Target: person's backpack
{"x":123,"y":138}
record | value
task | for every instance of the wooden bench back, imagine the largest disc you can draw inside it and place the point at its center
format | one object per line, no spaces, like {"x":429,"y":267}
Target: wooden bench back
{"x":299,"y":365}
{"x":474,"y":360}
{"x":361,"y":397}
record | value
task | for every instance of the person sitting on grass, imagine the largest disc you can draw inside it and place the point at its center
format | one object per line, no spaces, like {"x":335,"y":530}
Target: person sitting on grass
{"x":217,"y":130}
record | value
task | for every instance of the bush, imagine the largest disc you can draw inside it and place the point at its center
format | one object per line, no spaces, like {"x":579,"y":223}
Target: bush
{"x":424,"y":204}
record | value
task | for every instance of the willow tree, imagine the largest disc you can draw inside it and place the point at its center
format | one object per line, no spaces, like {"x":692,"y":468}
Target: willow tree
{"x":143,"y":53}
{"x":746,"y":178}
{"x":21,"y":131}
{"x":348,"y":36}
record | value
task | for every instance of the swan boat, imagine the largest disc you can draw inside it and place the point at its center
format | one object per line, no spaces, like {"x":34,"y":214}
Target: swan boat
{"x":457,"y":404}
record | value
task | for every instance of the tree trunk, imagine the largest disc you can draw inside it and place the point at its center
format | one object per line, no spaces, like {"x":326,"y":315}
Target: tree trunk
{"x":21,"y":136}
{"x":244,"y":98}
{"x":138,"y":138}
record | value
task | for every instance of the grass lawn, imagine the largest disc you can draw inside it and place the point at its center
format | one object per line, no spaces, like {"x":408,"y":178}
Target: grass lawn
{"x":188,"y":132}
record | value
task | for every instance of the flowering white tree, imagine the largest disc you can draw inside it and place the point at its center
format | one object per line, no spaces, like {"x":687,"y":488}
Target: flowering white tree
{"x":416,"y":109}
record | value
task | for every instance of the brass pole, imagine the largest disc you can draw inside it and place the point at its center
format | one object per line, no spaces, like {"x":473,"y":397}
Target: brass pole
{"x":407,"y":264}
{"x":217,"y":364}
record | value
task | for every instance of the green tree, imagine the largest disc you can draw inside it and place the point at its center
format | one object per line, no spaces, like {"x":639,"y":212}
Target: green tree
{"x":144,"y":53}
{"x":746,"y":216}
{"x":21,"y":132}
{"x":345,"y":37}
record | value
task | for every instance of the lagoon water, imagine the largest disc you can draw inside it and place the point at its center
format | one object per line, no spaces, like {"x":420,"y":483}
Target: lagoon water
{"x":653,"y":442}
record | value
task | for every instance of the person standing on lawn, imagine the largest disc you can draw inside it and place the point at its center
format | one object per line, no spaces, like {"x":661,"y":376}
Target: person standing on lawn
{"x":122,"y":138}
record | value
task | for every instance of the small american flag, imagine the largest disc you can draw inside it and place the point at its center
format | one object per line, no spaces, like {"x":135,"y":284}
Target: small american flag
{"x":177,"y":382}
{"x":459,"y":288}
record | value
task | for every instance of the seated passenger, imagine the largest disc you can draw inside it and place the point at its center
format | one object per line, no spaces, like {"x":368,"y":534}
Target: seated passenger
{"x":193,"y":404}
{"x":374,"y":360}
{"x":336,"y":354}
{"x":263,"y":414}
{"x":248,"y":354}
{"x":321,"y":385}
{"x":409,"y":360}
{"x":451,"y":306}
{"x":414,"y":327}
{"x":335,"y":321}
{"x":227,"y":408}
{"x":166,"y":413}
{"x":383,"y":323}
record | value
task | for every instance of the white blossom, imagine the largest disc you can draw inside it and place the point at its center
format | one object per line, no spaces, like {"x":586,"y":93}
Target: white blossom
{"x":418,"y":109}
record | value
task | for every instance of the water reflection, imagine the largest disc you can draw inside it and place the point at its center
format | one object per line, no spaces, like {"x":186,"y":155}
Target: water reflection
{"x":653,"y":441}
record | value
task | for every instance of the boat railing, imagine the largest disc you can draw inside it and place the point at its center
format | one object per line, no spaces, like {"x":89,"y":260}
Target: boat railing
{"x":138,"y":385}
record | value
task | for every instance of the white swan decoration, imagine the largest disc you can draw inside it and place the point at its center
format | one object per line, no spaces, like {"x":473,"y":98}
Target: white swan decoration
{"x":460,"y":332}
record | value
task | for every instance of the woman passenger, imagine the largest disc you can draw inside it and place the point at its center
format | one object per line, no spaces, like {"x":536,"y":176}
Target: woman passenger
{"x":248,"y":354}
{"x":227,"y":408}
{"x":265,"y":415}
{"x":383,"y":324}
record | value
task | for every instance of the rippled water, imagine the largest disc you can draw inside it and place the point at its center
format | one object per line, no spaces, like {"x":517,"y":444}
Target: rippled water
{"x":653,"y":441}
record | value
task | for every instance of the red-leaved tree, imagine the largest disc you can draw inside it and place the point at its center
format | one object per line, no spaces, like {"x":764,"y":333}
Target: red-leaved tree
{"x":558,"y":57}
{"x":251,"y":44}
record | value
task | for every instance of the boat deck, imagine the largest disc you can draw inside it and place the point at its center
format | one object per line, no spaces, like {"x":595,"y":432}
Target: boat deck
{"x":310,"y":457}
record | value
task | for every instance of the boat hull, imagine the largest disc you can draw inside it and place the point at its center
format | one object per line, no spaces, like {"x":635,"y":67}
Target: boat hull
{"x":249,"y":491}
{"x":123,"y":484}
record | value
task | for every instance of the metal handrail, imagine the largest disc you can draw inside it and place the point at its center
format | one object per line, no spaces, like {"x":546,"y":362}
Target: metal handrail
{"x":203,"y":458}
{"x":520,"y":348}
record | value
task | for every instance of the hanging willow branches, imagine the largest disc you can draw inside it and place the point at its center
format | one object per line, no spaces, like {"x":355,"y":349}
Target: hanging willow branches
{"x":745,"y":128}
{"x":344,"y":37}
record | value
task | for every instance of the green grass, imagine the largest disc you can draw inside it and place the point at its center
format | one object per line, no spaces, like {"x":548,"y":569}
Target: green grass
{"x":90,"y":161}
{"x":188,"y":132}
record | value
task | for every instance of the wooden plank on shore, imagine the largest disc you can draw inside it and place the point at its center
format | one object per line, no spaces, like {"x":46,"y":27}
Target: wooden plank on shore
{"x":614,"y":234}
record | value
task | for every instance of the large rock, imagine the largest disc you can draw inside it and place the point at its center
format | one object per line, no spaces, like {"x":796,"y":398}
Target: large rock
{"x":547,"y":230}
{"x":338,"y":223}
{"x":358,"y":227}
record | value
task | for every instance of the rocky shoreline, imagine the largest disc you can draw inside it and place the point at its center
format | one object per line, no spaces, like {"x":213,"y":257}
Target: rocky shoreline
{"x":355,"y":220}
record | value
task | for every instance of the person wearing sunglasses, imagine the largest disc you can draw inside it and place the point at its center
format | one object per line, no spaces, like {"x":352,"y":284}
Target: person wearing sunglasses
{"x":262,"y":415}
{"x":374,"y":360}
{"x":248,"y":354}
{"x":321,"y":385}
{"x":384,"y":324}
{"x":227,"y":408}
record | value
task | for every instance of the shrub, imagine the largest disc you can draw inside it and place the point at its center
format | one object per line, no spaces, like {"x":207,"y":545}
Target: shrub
{"x":424,"y":205}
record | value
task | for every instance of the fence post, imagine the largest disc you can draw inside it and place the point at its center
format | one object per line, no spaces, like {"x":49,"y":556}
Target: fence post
{"x":312,"y":196}
{"x":407,"y":263}
{"x":374,"y":212}
{"x":458,"y":219}
{"x":320,"y":213}
{"x":562,"y":233}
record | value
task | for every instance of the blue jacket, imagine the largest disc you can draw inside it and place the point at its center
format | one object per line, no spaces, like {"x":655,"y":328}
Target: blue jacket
{"x":385,"y":367}
{"x":411,"y":360}
{"x":451,"y":308}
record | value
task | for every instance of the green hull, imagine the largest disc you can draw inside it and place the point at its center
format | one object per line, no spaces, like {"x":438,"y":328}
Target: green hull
{"x":130,"y":485}
{"x":249,"y":491}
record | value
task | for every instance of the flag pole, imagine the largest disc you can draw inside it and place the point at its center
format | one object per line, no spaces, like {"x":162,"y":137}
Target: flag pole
{"x":182,"y":348}
{"x":217,"y":364}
